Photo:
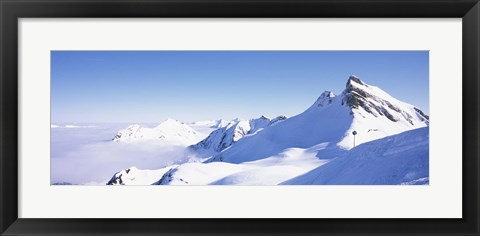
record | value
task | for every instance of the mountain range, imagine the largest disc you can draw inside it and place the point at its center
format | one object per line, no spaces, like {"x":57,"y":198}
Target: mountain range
{"x":363,"y":135}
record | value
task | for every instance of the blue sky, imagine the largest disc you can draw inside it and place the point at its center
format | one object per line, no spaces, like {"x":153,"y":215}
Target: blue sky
{"x":150,"y":86}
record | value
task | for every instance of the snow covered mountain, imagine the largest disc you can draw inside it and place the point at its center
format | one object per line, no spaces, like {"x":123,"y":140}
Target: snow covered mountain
{"x":363,"y":108}
{"x":169,"y":131}
{"x":227,"y":135}
{"x":313,"y":147}
{"x":377,"y":114}
{"x":134,"y":176}
{"x":397,"y":159}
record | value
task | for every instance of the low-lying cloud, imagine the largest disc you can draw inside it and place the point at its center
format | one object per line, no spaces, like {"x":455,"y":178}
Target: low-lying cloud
{"x":89,"y":155}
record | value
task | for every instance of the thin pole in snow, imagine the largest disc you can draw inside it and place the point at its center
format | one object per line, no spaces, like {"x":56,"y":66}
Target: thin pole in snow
{"x":354,"y":133}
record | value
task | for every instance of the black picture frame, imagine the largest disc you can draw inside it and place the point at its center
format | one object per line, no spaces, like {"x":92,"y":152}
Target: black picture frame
{"x":12,"y":10}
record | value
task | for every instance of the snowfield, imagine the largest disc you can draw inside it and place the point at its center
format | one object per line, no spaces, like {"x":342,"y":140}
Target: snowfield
{"x":269,"y":171}
{"x":397,"y":159}
{"x":315,"y":147}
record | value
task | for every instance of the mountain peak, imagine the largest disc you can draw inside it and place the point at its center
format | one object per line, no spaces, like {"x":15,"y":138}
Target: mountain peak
{"x":360,"y":96}
{"x":326,"y":94}
{"x":324,"y":99}
{"x":264,"y":118}
{"x":354,"y":79}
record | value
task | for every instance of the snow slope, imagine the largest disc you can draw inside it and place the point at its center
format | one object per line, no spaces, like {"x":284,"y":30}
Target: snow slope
{"x":331,"y":119}
{"x":269,"y":171}
{"x":170,"y":130}
{"x":397,"y":159}
{"x":230,"y":133}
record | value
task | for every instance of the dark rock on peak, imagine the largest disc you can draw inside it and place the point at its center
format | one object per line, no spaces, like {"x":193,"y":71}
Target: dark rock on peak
{"x":354,"y":79}
{"x":324,"y":99}
{"x":277,"y":119}
{"x":326,"y":94}
{"x":356,"y":97}
{"x":421,"y":114}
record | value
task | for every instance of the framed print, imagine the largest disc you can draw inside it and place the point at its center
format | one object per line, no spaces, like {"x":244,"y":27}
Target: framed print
{"x":277,"y":117}
{"x":202,"y":147}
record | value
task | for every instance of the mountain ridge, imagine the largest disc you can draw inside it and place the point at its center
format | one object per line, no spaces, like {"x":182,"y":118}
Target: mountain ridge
{"x":363,"y":108}
{"x":295,"y":150}
{"x":225,"y":136}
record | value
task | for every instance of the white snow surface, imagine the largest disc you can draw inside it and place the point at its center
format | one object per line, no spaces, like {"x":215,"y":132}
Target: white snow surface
{"x":401,"y":159}
{"x":269,"y":171}
{"x":398,"y":159}
{"x":171,"y":131}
